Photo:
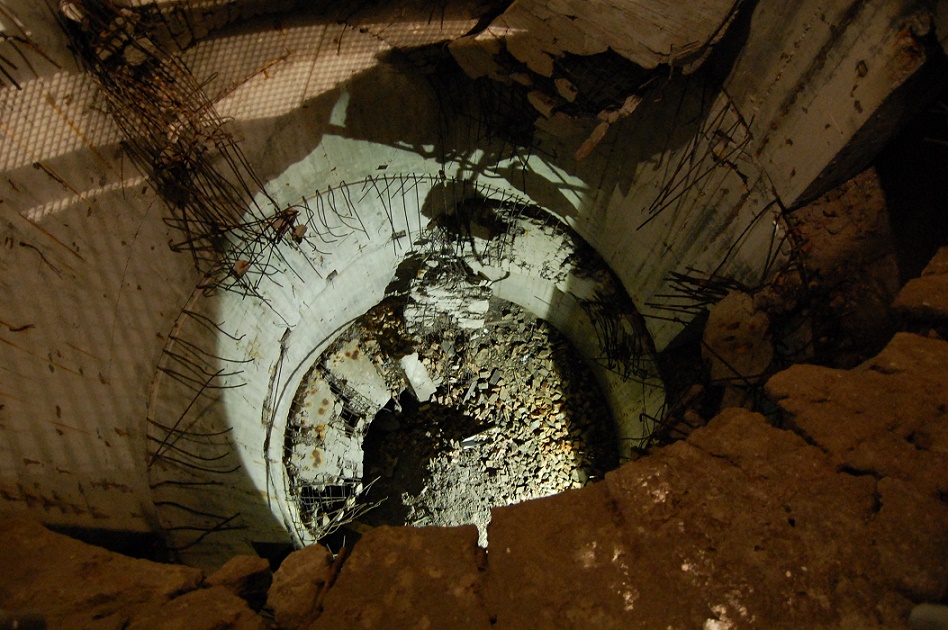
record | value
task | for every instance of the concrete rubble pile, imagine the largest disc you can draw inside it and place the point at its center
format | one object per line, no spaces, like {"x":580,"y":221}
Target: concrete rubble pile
{"x":516,"y":417}
{"x":510,"y":414}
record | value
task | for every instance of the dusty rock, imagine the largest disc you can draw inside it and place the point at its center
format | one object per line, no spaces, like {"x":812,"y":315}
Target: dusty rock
{"x":735,"y":518}
{"x":888,"y":417}
{"x":848,"y":252}
{"x":297,"y":585}
{"x":205,"y":609}
{"x":742,"y":525}
{"x":735,"y":340}
{"x":403,"y":577}
{"x":560,"y":562}
{"x":927,"y":297}
{"x":247,"y":577}
{"x":75,"y":585}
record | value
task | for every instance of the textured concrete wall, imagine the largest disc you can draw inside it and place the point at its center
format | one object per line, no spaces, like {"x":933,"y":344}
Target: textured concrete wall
{"x":819,"y":82}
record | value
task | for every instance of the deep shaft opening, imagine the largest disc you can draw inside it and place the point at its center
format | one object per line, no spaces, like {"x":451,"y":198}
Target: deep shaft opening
{"x":448,"y":398}
{"x":477,"y":418}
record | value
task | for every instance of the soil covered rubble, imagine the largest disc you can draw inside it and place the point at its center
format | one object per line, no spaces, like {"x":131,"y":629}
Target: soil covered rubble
{"x":516,"y":416}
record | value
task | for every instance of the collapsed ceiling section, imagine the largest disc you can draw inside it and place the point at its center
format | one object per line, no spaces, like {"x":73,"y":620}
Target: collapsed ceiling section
{"x":568,"y":156}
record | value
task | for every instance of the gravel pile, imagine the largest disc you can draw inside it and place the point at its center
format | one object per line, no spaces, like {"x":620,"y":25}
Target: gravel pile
{"x":516,"y":416}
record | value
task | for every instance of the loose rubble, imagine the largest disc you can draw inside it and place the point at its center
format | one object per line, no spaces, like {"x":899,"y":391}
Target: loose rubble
{"x":514,"y":416}
{"x":75,"y":585}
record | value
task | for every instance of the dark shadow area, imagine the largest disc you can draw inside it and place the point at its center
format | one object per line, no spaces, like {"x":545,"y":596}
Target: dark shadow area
{"x":913,"y":170}
{"x":143,"y":545}
{"x":274,"y":553}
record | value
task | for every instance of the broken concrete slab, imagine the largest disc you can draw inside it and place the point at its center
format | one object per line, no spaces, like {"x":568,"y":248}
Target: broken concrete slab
{"x":418,"y":377}
{"x":885,"y":418}
{"x":561,"y":562}
{"x":352,"y":365}
{"x":401,"y":577}
{"x":740,"y":493}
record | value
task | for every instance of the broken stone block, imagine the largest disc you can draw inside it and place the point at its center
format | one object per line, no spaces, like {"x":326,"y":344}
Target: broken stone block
{"x":560,"y":562}
{"x":418,"y":376}
{"x":736,"y":342}
{"x":247,"y":577}
{"x":297,"y":585}
{"x":203,"y":609}
{"x":885,"y":418}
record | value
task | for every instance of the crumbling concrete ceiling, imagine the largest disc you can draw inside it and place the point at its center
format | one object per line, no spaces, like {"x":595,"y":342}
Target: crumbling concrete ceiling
{"x":648,"y":34}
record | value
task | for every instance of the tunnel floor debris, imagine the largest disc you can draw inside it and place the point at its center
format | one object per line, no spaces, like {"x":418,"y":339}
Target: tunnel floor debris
{"x":478,"y":418}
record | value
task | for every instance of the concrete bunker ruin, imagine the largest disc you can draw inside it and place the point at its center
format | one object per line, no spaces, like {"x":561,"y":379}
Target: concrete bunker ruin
{"x":306,"y":165}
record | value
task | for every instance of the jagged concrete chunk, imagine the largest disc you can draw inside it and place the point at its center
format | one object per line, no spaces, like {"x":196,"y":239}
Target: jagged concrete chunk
{"x":247,"y":577}
{"x":297,"y":585}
